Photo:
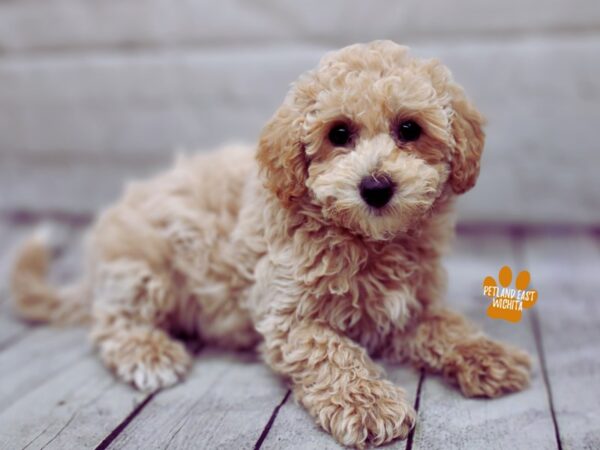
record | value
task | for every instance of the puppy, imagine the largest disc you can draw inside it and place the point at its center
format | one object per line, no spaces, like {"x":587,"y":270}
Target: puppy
{"x":323,"y":246}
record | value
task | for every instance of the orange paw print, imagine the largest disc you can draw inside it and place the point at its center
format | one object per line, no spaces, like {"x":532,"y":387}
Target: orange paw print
{"x":508,"y":303}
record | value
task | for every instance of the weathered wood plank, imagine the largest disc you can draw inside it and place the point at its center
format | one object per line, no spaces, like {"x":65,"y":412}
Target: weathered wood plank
{"x":52,"y":388}
{"x":11,"y":329}
{"x":446,"y":418}
{"x":27,"y":25}
{"x":293,"y":428}
{"x":53,"y":392}
{"x":225,"y":403}
{"x":565,"y":271}
{"x":74,"y":408}
{"x":40,"y":355}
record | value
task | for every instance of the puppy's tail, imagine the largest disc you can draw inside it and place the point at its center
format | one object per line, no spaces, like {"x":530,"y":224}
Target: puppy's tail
{"x":34,"y":299}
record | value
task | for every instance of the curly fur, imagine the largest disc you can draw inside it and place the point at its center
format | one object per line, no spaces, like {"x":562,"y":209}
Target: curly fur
{"x":281,"y":250}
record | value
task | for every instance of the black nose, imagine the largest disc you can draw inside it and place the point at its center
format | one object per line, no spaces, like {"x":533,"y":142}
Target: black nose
{"x":376,"y":191}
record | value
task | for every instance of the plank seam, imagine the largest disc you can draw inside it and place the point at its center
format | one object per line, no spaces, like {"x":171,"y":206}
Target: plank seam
{"x":271,"y":421}
{"x":518,"y":237}
{"x":411,"y":435}
{"x":119,"y":428}
{"x":544,"y":369}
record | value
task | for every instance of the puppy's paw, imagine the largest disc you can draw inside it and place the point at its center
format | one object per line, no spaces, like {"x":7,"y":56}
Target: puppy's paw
{"x":369,"y":412}
{"x":151,"y":362}
{"x":485,"y":368}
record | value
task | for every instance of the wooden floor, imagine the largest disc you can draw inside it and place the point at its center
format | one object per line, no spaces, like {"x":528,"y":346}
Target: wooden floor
{"x":55,"y":394}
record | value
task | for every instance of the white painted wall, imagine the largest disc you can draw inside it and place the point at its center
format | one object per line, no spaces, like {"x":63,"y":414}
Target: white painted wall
{"x":93,"y":92}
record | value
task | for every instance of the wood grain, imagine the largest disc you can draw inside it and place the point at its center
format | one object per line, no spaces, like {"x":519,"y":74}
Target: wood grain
{"x":75,"y":407}
{"x":39,"y":356}
{"x":225,"y":403}
{"x":565,"y":271}
{"x":53,"y":391}
{"x":449,"y":420}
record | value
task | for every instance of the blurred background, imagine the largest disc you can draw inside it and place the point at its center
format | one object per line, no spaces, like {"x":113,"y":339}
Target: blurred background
{"x":93,"y":93}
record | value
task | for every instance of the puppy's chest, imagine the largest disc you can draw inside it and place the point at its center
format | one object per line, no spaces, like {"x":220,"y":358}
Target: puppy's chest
{"x":367,"y":296}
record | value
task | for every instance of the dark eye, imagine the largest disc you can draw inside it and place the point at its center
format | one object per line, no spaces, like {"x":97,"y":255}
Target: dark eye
{"x":340,"y":135}
{"x":409,"y":130}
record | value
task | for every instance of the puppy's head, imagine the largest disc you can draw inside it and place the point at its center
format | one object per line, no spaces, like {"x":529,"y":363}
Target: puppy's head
{"x":373,"y":137}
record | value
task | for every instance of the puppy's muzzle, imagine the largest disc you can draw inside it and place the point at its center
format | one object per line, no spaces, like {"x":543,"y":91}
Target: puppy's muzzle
{"x":376,"y":190}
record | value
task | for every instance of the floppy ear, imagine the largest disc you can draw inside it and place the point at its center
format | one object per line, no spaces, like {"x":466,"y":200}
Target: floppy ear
{"x":467,"y":130}
{"x":280,"y":153}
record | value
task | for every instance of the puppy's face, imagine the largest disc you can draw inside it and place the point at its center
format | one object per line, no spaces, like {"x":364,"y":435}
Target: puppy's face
{"x":373,"y":137}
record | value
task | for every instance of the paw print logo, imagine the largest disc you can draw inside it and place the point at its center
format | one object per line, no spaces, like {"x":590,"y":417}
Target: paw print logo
{"x":508,"y":303}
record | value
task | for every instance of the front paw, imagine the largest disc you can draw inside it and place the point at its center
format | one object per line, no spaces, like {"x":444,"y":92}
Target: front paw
{"x":367,"y":412}
{"x":485,"y":368}
{"x":149,"y":361}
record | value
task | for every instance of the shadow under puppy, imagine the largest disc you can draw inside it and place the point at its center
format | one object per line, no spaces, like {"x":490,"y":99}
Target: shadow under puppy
{"x":323,"y":246}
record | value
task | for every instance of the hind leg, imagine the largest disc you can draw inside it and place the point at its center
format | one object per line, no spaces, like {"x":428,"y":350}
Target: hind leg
{"x":131,"y":307}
